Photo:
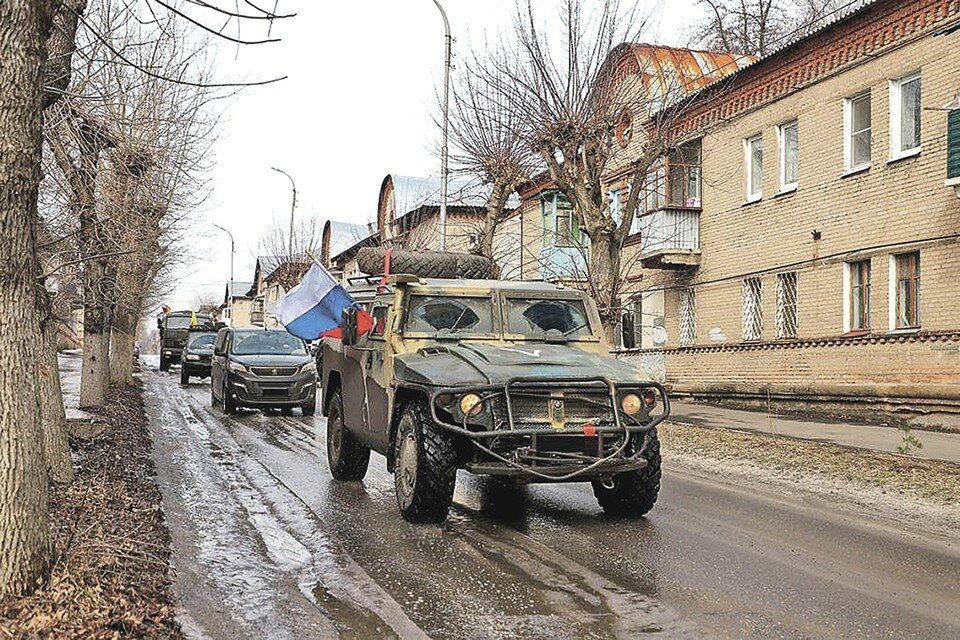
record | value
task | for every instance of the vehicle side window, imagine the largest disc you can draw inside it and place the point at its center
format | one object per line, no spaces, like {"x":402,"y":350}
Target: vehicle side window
{"x":379,"y":314}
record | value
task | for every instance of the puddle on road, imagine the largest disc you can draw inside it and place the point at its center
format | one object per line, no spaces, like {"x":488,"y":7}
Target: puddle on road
{"x":353,"y":622}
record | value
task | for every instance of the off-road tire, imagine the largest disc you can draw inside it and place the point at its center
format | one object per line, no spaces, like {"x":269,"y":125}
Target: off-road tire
{"x":164,"y":364}
{"x":431,"y":484}
{"x":348,"y":458}
{"x":634,"y":492}
{"x":227,"y":403}
{"x":426,"y":264}
{"x":213,"y":397}
{"x":184,"y":376}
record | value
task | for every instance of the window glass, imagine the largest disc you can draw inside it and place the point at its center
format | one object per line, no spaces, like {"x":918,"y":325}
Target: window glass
{"x":859,"y":131}
{"x":908,"y":290}
{"x":910,"y":114}
{"x":860,"y":295}
{"x":787,"y":305}
{"x":534,"y":317}
{"x":379,"y":320}
{"x":177,"y":322}
{"x":654,"y":187}
{"x":684,"y":175}
{"x":430,"y":314}
{"x":688,"y":316}
{"x":752,"y":309}
{"x":755,"y":167}
{"x":260,"y":342}
{"x":202,"y":340}
{"x":789,"y":154}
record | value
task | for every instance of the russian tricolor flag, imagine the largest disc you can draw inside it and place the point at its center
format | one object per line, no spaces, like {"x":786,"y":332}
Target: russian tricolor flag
{"x":315,"y":307}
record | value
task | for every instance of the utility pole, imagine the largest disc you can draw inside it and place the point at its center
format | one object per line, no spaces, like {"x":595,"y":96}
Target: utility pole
{"x":230,"y":288}
{"x":293,"y":207}
{"x":446,"y":104}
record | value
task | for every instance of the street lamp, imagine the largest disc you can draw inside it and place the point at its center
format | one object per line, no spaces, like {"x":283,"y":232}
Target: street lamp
{"x":443,"y":150}
{"x":293,"y":206}
{"x":230,"y":289}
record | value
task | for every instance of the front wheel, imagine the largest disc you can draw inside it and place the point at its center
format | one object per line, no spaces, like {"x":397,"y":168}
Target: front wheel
{"x":310,"y":407}
{"x":347,"y":457}
{"x":164,"y":364}
{"x":184,"y":376}
{"x":228,"y":404}
{"x":425,"y":467}
{"x":632,"y":493}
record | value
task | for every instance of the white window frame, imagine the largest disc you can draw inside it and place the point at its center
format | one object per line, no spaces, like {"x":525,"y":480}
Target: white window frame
{"x":753,"y":196}
{"x":786,"y":187}
{"x":848,"y":131}
{"x":896,"y":100}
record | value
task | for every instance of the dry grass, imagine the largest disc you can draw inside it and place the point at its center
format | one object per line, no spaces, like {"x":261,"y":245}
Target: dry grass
{"x":933,"y":481}
{"x":111,"y":575}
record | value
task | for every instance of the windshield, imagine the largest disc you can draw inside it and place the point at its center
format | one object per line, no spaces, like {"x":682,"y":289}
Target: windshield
{"x":202,"y":340}
{"x":177,"y":322}
{"x":430,"y":314}
{"x":259,"y":342}
{"x":535,"y":317}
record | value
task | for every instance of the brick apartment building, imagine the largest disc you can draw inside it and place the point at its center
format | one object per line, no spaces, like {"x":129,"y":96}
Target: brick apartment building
{"x":804,"y":244}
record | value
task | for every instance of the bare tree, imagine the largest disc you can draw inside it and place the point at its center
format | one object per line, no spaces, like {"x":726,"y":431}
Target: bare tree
{"x":488,"y":141}
{"x":759,"y":27}
{"x":571,"y":97}
{"x":289,"y":266}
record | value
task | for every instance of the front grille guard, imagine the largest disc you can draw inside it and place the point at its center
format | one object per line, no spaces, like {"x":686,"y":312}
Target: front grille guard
{"x":489,"y":392}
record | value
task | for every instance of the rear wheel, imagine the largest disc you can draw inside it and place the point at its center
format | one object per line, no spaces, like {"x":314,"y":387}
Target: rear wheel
{"x":632,"y":493}
{"x":184,"y":376}
{"x":425,"y":467}
{"x":286,"y":411}
{"x":347,"y":457}
{"x":164,"y":364}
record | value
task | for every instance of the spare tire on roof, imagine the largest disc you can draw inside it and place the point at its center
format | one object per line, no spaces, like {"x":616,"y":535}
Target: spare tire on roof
{"x":425,"y":264}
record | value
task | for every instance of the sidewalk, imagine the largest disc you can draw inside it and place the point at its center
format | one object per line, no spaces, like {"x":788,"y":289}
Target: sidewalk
{"x":70,"y":363}
{"x":936,"y":445}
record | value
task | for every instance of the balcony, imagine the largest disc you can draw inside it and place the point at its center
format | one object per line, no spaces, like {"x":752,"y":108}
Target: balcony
{"x":256,"y":318}
{"x":670,"y":239}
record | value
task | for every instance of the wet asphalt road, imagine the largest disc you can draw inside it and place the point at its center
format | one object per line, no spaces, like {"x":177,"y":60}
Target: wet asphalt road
{"x":266,"y":544}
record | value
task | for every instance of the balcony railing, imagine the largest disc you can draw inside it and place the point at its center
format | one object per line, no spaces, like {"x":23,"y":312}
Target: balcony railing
{"x":670,"y":237}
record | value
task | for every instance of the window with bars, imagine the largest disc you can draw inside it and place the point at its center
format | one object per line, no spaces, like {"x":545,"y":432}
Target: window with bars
{"x":688,"y":316}
{"x":859,"y":295}
{"x":752,"y":308}
{"x":908,"y":290}
{"x":787,"y":305}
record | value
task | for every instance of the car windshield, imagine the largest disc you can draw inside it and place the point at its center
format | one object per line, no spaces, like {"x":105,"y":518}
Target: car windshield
{"x":178,"y":322}
{"x":534,"y":318}
{"x":461,"y":315}
{"x":248,"y":343}
{"x":202,"y":340}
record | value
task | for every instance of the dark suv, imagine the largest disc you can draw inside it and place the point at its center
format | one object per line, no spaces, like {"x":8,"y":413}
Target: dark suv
{"x":197,"y":355}
{"x":263,"y":369}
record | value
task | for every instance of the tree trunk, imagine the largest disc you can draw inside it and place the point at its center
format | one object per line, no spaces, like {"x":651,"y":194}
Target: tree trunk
{"x":56,"y":447}
{"x":122,"y":336}
{"x":25,"y":549}
{"x":95,"y":372}
{"x":605,"y":278}
{"x":495,"y":203}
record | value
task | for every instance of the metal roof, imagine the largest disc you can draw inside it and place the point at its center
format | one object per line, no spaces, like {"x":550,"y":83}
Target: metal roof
{"x":239,"y":288}
{"x":412,"y":193}
{"x":670,"y":74}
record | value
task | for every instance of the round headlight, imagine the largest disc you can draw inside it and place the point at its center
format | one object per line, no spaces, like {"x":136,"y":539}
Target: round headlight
{"x":631,"y":404}
{"x":471,"y":404}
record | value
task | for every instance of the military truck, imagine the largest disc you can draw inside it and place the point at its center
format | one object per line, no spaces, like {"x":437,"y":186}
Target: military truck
{"x":498,"y":378}
{"x":175,"y":327}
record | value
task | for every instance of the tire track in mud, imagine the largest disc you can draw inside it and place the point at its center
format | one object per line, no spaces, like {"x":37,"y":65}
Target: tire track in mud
{"x":328,"y":578}
{"x":567,"y":599}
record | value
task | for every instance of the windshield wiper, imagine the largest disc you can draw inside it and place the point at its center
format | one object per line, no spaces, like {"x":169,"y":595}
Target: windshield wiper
{"x":454,"y":328}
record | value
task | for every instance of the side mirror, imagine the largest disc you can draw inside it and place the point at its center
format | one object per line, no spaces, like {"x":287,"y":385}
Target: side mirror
{"x":349,"y":326}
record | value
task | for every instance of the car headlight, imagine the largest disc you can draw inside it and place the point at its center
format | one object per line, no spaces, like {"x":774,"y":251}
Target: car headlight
{"x":310,"y":367}
{"x":192,"y":356}
{"x":631,"y":404}
{"x":236,"y":367}
{"x":471,"y":404}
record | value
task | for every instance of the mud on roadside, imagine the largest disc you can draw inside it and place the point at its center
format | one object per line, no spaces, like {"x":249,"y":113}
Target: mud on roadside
{"x":925,"y":493}
{"x":111,"y":577}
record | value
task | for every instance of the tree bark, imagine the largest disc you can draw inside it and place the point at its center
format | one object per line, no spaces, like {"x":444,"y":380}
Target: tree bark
{"x":605,"y":278}
{"x":495,"y":203}
{"x":56,"y":447}
{"x":122,"y":337}
{"x":25,"y":548}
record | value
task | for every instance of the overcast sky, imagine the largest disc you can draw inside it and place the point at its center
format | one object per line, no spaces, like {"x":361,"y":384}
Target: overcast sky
{"x":358,"y":104}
